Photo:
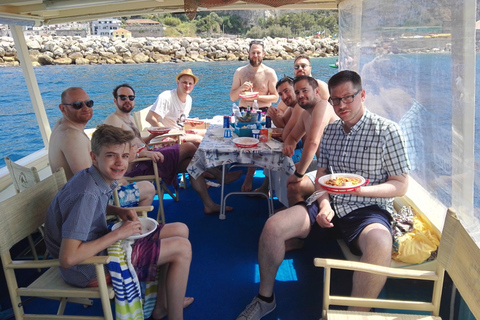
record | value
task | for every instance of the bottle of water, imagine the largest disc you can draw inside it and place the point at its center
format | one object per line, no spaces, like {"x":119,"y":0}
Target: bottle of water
{"x":255,"y":106}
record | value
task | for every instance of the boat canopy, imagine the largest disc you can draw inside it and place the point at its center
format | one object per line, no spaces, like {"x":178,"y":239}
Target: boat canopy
{"x":38,"y":12}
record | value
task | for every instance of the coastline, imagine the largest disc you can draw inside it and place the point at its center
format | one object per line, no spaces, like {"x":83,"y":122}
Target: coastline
{"x":67,"y":50}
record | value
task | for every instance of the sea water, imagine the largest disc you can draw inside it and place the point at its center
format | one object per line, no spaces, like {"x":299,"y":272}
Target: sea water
{"x":19,"y":132}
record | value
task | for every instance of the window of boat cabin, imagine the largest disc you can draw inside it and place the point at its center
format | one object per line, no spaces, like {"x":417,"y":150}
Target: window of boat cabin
{"x":417,"y":62}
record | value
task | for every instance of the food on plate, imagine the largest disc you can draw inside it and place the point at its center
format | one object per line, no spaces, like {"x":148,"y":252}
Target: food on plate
{"x":342,"y":182}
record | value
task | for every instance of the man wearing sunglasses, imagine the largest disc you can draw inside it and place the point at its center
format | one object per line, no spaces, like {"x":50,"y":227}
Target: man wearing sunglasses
{"x":70,"y":147}
{"x":169,"y":160}
{"x":303,"y":67}
{"x":255,"y":77}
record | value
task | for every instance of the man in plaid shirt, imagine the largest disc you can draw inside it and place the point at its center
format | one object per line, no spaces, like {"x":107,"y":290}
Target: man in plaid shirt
{"x":362,"y":143}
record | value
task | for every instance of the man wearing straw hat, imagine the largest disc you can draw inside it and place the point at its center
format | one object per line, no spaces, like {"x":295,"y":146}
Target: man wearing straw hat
{"x":172,"y":107}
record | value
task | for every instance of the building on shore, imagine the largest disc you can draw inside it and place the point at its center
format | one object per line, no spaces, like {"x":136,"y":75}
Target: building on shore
{"x":121,"y":33}
{"x":105,"y":27}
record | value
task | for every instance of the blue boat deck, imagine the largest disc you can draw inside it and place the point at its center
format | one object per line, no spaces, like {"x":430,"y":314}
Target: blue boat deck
{"x":224,"y":271}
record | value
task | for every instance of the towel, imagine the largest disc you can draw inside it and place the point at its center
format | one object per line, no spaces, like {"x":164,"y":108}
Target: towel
{"x":128,"y":291}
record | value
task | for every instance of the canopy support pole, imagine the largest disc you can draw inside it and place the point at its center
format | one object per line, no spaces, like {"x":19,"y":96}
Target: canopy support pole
{"x":32,"y":84}
{"x":463,"y":107}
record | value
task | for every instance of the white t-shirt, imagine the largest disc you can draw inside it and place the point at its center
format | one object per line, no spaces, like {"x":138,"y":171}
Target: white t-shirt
{"x":172,"y":112}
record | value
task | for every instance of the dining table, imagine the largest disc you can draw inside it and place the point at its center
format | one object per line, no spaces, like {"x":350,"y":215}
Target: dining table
{"x":215,"y":151}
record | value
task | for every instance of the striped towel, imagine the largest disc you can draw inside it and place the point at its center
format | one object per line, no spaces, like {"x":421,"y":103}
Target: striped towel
{"x":128,"y":292}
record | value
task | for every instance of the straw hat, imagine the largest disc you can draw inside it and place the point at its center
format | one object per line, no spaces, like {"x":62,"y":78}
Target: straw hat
{"x":187,"y":72}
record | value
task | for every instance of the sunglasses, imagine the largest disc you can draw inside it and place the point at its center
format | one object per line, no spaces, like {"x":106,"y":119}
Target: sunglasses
{"x":124,"y":97}
{"x":77,"y":105}
{"x":285,"y":77}
{"x":260,"y":42}
{"x":303,"y":66}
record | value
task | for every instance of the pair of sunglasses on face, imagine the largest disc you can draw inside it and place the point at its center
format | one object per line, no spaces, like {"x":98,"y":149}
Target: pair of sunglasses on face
{"x":124,"y":97}
{"x":77,"y":105}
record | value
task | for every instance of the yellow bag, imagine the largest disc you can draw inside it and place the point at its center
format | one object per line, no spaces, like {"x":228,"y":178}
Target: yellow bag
{"x":415,"y":246}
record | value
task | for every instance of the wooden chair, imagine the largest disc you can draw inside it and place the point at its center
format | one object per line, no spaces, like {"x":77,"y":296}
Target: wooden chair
{"x":160,"y":186}
{"x":21,"y":215}
{"x":458,"y":254}
{"x":24,"y":178}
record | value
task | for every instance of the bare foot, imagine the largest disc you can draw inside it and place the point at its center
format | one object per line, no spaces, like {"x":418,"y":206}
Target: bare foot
{"x":247,"y":184}
{"x":232,"y":176}
{"x":215,"y":208}
{"x":294,"y":244}
{"x":265,"y":192}
{"x":208,"y":175}
{"x":158,"y":315}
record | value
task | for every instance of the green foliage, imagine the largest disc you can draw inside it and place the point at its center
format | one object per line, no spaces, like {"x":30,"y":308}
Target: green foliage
{"x":290,"y":24}
{"x":171,"y":21}
{"x":209,"y":24}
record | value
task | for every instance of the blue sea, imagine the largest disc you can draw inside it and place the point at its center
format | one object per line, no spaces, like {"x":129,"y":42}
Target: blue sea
{"x":19,"y":133}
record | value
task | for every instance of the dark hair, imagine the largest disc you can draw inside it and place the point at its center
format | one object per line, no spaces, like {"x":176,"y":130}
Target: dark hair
{"x":301,"y":56}
{"x":283,"y":80}
{"x":345,"y":76}
{"x":311,"y":81}
{"x":260,"y":42}
{"x":66,"y":92}
{"x":126,"y":85}
{"x":107,"y":135}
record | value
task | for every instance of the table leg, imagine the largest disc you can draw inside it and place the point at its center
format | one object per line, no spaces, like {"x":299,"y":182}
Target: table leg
{"x":222,"y":200}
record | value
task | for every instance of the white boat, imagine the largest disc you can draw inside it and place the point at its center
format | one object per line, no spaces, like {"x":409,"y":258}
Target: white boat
{"x":377,"y":38}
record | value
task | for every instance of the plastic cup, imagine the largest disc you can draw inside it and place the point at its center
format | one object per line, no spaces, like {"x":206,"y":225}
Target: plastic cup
{"x":255,"y":133}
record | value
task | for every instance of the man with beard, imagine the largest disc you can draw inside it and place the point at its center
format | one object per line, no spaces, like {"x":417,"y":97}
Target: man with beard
{"x":173,"y":107}
{"x":255,"y":77}
{"x":311,"y":123}
{"x":301,"y":67}
{"x":363,"y":216}
{"x":170,"y":160}
{"x":286,"y":92}
{"x":70,"y":147}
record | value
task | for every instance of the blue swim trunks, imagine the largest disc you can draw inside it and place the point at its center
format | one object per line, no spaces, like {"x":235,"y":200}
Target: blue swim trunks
{"x":351,"y":225}
{"x":128,"y":195}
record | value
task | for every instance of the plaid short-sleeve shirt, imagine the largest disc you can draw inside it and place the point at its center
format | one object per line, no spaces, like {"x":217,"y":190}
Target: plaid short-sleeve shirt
{"x":374,"y":149}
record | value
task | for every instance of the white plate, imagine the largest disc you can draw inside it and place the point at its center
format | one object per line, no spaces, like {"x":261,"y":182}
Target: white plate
{"x":342,"y":189}
{"x":148,"y":226}
{"x":245,"y":142}
{"x":159,"y":130}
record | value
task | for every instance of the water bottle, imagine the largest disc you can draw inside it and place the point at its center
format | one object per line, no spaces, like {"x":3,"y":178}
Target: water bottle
{"x":255,"y":106}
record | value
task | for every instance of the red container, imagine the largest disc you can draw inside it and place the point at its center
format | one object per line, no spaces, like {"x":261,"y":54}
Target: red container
{"x":263,"y":135}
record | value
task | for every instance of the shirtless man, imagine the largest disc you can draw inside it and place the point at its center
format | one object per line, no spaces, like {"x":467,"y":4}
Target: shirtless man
{"x":259,"y":78}
{"x":286,"y":92}
{"x":301,"y":67}
{"x":70,"y":147}
{"x":124,"y":99}
{"x":318,"y":113}
{"x":255,"y":77}
{"x":172,"y":108}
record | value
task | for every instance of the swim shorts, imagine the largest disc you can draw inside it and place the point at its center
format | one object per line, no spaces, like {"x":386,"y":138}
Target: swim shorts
{"x":167,"y":170}
{"x":351,"y":225}
{"x":145,"y":254}
{"x":128,"y":195}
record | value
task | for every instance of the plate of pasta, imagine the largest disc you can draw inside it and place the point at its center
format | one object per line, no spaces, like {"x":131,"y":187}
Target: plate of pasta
{"x":248,"y":95}
{"x":342,"y":182}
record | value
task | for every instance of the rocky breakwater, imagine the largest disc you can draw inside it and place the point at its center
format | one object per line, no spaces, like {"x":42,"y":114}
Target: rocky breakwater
{"x":75,"y":50}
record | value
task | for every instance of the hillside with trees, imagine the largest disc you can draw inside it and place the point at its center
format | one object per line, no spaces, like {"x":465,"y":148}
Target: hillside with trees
{"x":251,"y":24}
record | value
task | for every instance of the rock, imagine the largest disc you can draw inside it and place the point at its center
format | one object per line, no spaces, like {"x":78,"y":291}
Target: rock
{"x":34,"y":45}
{"x":45,"y":60}
{"x":63,"y":61}
{"x":140,"y":58}
{"x":75,"y":55}
{"x":81,"y":61}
